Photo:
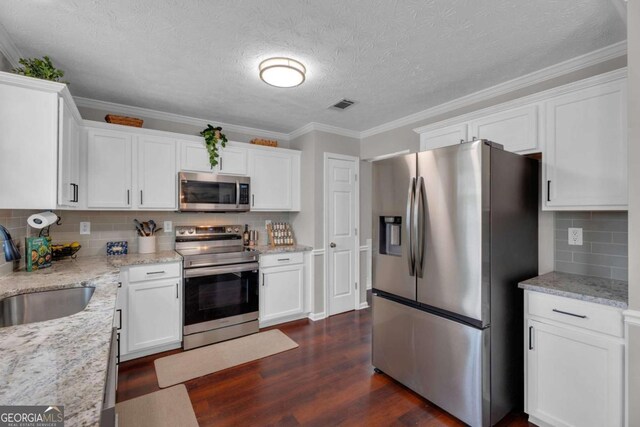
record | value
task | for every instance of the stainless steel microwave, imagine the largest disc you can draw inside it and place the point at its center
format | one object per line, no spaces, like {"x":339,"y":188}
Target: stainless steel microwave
{"x":207,"y":192}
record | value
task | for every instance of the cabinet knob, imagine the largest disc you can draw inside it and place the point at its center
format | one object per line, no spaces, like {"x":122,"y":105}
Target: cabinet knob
{"x":332,"y":245}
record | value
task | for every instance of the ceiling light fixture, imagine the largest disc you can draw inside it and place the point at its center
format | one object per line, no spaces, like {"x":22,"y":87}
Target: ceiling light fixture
{"x":282,"y":72}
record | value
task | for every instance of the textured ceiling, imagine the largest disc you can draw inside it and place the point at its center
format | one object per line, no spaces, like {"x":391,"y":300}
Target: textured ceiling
{"x":200,"y":57}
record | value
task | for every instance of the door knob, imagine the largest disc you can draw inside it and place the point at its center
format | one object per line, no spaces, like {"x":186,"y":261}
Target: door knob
{"x":332,"y":245}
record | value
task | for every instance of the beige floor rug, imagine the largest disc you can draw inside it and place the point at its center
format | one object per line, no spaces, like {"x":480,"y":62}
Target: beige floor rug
{"x":191,"y":364}
{"x":165,"y":408}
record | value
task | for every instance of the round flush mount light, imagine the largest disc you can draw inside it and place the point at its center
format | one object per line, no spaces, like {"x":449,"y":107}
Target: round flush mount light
{"x":282,"y":72}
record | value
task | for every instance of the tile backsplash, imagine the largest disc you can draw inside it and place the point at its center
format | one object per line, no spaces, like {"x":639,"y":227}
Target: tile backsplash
{"x":109,"y":226}
{"x":604,"y":252}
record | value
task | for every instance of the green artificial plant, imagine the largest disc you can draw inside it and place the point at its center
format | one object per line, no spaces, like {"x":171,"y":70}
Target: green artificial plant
{"x":211,"y":138}
{"x":40,"y":69}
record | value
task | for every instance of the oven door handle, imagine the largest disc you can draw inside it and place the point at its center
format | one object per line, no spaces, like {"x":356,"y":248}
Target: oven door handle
{"x":201,"y":272}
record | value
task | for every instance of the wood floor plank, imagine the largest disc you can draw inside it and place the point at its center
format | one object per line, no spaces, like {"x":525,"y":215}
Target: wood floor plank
{"x":327,"y":381}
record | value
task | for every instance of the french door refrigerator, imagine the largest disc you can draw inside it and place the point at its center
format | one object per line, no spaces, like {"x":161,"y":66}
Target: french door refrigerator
{"x":455,"y":230}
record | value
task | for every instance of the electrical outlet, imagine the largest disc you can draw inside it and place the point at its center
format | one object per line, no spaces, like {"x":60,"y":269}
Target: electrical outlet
{"x":168,"y":227}
{"x":575,"y":236}
{"x":85,"y":228}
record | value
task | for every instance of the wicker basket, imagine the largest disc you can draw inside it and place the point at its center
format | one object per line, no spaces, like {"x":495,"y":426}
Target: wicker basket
{"x":122,"y":120}
{"x":265,"y":142}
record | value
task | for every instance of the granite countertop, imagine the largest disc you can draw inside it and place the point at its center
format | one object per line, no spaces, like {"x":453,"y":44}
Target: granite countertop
{"x":64,"y":361}
{"x":268,"y":249}
{"x":609,"y":292}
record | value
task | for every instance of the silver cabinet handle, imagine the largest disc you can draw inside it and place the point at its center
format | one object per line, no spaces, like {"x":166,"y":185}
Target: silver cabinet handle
{"x":284,"y":259}
{"x":155,"y":272}
{"x":332,"y":245}
{"x":220,"y":164}
{"x":253,"y":200}
{"x":177,"y":284}
{"x":141,"y":202}
{"x":119,"y":319}
{"x":530,"y":337}
{"x":262,"y":279}
{"x":128,"y":197}
{"x":581,"y":316}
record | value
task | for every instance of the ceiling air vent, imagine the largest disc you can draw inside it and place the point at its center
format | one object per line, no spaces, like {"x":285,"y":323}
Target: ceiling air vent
{"x":343,"y":104}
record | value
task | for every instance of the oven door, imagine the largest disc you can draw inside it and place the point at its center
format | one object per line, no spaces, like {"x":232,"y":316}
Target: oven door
{"x":205,"y":192}
{"x":216,"y":297}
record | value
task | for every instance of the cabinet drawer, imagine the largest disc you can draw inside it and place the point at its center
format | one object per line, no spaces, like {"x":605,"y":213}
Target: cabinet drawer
{"x":588,"y":315}
{"x":154,"y":272}
{"x":286,"y":258}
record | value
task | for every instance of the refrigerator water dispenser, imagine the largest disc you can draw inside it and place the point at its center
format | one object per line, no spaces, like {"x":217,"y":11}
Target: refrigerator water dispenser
{"x":390,"y":235}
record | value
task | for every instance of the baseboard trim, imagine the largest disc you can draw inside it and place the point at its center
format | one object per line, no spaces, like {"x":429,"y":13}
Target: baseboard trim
{"x":317,"y":316}
{"x":363,"y":305}
{"x":632,"y":317}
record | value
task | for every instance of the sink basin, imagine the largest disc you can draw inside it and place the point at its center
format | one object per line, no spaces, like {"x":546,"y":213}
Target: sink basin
{"x":45,"y":305}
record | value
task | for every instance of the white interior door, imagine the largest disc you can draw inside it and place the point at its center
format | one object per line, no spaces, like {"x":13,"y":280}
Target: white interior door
{"x":341,"y":218}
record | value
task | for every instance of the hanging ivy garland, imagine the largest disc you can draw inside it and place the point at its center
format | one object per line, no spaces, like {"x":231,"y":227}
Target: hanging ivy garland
{"x":213,"y":136}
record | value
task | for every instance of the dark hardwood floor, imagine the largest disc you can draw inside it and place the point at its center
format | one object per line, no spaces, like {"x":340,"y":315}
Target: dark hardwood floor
{"x":327,"y":381}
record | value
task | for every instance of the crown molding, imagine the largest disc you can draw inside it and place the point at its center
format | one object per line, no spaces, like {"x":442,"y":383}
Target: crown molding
{"x":8,"y":49}
{"x":309,"y":127}
{"x":176,"y":118}
{"x":580,"y":62}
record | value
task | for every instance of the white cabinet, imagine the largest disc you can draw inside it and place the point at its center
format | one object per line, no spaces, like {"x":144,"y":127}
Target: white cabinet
{"x":31,"y":125}
{"x":232,"y":159}
{"x":157,"y":173}
{"x":574,"y":376}
{"x":585,"y":159}
{"x":275,"y":179}
{"x":282,"y":288}
{"x":109,"y":169}
{"x":515,"y":128}
{"x":443,"y":136}
{"x":149,"y":309}
{"x":70,"y":132}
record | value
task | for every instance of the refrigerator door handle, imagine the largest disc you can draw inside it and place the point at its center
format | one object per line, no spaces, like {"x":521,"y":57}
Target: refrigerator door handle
{"x":419,"y":224}
{"x":410,"y":203}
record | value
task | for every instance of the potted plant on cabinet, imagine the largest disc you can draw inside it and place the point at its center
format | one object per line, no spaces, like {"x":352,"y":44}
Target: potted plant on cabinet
{"x":213,"y":136}
{"x":40,"y":69}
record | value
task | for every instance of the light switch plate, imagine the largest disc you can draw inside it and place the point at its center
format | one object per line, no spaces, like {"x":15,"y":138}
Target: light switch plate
{"x":168,"y":226}
{"x":575,"y":236}
{"x":85,"y":228}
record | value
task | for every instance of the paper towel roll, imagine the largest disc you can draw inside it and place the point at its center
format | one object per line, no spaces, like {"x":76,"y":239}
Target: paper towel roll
{"x":42,"y":219}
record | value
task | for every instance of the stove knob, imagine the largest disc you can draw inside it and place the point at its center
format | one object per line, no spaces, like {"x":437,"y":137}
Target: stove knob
{"x":192,"y":231}
{"x":236,"y":230}
{"x":180,"y":231}
{"x":229,"y":230}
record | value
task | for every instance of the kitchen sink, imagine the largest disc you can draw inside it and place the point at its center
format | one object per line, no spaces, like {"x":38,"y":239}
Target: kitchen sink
{"x":45,"y":305}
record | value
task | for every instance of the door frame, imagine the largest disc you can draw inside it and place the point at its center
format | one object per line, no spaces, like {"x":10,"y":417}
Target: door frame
{"x":325,"y":235}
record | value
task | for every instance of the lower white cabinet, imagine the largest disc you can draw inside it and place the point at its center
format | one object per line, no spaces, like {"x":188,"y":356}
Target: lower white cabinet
{"x":574,"y":376}
{"x":149,"y":310}
{"x":282,"y":288}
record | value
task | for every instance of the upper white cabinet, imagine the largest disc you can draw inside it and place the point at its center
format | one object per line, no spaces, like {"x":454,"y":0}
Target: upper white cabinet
{"x":443,"y":136}
{"x":275,"y":179}
{"x":109,"y":169}
{"x":30,"y":135}
{"x":585,"y":160}
{"x":70,"y":133}
{"x":157,"y":173}
{"x":232,"y":159}
{"x":516,"y":129}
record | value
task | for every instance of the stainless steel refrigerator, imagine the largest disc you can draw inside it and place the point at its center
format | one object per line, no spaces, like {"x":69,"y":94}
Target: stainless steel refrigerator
{"x":455,"y":230}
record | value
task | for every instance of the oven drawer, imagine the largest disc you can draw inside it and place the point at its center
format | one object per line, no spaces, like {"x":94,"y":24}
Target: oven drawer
{"x":285,"y":258}
{"x":154,"y":272}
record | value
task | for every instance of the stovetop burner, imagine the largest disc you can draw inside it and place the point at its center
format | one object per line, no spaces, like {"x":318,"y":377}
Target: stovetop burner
{"x":203,"y":246}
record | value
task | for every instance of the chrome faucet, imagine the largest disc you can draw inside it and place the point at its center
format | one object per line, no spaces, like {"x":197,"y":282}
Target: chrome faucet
{"x":11,"y":253}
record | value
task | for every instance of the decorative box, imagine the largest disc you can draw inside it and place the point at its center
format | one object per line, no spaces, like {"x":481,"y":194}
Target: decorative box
{"x":117,"y":248}
{"x":37,"y":253}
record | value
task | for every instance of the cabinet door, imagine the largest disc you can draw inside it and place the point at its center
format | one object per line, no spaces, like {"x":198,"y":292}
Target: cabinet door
{"x":443,"y":137}
{"x":194,"y":157}
{"x":516,"y":129}
{"x":157,"y":173}
{"x":109,"y":169}
{"x":281,"y":292}
{"x":233,"y":161}
{"x":585,"y":159}
{"x":573,"y":378}
{"x":68,"y":157}
{"x":271,"y":175}
{"x":153,"y":315}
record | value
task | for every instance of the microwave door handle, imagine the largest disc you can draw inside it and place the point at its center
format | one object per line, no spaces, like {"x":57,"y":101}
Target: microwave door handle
{"x":408,"y":222}
{"x":419,"y":224}
{"x":237,"y":193}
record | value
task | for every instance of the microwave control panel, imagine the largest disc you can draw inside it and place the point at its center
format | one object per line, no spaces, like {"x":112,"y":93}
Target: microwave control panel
{"x":244,"y":194}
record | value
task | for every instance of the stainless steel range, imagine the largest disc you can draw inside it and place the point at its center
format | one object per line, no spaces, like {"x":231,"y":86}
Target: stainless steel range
{"x":221,"y":281}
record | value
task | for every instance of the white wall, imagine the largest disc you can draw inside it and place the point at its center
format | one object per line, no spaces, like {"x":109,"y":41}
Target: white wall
{"x":4,"y":63}
{"x":633,"y":52}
